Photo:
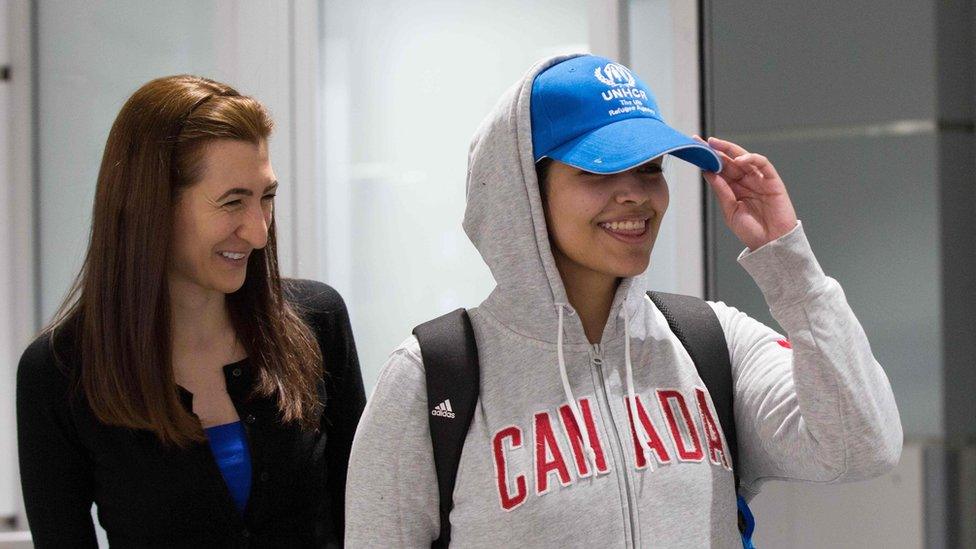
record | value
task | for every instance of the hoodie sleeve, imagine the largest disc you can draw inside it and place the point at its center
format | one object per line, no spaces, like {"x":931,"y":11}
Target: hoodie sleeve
{"x":816,"y":405}
{"x":391,"y":490}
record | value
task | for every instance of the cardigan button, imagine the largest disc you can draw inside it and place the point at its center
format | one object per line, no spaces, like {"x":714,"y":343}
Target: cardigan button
{"x":246,"y":533}
{"x":264,"y":476}
{"x":236,"y":372}
{"x":250,"y":418}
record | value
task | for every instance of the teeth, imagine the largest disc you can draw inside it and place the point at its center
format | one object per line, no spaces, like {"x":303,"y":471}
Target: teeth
{"x":232,"y":255}
{"x":625,"y":225}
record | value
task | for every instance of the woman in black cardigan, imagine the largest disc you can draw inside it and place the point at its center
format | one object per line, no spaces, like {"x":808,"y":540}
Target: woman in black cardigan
{"x":184,"y":388}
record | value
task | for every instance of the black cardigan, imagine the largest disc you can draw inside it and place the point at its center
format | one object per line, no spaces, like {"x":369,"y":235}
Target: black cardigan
{"x":151,"y":495}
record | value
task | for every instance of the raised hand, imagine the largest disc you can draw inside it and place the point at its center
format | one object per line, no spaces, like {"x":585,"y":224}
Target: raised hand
{"x":752,"y":196}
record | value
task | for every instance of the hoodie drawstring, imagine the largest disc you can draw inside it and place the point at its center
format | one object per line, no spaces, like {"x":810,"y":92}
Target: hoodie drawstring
{"x":583,"y":428}
{"x":642,"y":436}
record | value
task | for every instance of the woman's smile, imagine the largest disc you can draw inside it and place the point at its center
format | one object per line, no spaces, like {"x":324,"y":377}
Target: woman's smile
{"x":236,"y":259}
{"x":628,"y":230}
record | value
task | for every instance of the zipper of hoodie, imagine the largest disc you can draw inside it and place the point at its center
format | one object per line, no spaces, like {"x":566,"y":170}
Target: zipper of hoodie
{"x":596,"y":359}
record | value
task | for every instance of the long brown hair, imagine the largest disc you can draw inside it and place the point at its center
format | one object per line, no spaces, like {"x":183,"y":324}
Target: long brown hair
{"x":118,"y":307}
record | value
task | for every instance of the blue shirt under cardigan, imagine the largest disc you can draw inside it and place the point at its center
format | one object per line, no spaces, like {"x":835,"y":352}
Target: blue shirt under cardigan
{"x":228,"y":443}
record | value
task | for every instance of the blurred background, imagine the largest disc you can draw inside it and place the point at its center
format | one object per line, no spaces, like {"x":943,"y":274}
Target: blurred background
{"x":866,"y":107}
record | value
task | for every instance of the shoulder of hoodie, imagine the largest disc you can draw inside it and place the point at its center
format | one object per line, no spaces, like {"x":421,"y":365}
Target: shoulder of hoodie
{"x":403,"y":374}
{"x":737,"y":324}
{"x":722,"y":310}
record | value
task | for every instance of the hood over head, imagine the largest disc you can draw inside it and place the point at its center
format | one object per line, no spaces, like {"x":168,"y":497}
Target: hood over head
{"x":505,"y":221}
{"x":504,"y":218}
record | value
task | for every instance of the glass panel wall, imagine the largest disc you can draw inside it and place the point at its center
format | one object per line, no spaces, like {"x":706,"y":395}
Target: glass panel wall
{"x":405,"y":85}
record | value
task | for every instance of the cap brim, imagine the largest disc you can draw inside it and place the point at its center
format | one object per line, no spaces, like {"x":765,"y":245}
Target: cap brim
{"x":623,"y":145}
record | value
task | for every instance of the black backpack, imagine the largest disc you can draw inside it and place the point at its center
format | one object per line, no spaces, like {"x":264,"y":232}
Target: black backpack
{"x":450,"y":356}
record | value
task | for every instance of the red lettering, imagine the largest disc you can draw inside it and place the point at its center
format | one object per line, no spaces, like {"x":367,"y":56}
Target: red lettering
{"x":576,"y":438}
{"x":665,"y":397}
{"x":546,"y":446}
{"x":508,"y":501}
{"x":655,"y":443}
{"x":713,"y":435}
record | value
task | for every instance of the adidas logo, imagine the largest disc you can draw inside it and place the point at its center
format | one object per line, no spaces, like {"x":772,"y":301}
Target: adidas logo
{"x":443,"y":409}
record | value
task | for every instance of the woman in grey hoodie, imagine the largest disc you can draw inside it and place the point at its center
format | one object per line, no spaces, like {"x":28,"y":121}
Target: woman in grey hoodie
{"x":572,"y":350}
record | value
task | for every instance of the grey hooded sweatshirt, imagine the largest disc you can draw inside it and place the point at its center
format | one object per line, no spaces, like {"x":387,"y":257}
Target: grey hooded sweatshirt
{"x":552,"y":457}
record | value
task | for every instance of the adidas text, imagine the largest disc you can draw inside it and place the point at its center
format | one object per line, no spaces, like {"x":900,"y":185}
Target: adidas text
{"x":443,"y":410}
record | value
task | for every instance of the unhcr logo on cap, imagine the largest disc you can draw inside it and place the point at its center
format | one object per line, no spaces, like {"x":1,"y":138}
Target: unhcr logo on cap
{"x":614,"y":75}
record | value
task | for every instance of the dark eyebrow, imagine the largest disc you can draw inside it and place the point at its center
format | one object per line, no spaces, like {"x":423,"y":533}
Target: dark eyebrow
{"x":246,"y":192}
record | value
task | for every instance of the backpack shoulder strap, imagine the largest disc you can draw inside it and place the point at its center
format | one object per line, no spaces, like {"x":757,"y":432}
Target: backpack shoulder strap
{"x":450,"y":356}
{"x":701,"y":334}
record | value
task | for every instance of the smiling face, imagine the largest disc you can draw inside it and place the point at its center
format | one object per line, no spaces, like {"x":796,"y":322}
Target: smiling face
{"x":222,"y":218}
{"x":604,"y":225}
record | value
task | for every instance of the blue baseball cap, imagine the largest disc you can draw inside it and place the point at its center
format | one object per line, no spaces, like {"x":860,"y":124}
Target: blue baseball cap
{"x":597,"y":115}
